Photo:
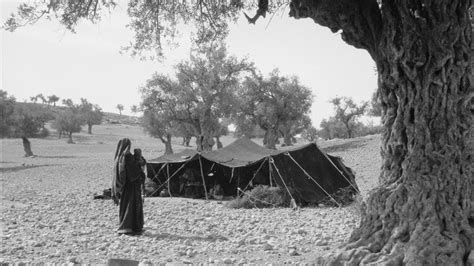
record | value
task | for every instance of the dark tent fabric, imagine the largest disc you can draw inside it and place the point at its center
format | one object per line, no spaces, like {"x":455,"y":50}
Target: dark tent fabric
{"x":307,"y":173}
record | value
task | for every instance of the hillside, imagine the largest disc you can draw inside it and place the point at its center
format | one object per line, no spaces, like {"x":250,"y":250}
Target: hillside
{"x":109,"y":117}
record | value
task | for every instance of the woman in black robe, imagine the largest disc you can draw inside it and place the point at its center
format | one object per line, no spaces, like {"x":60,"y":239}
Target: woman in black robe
{"x":126,"y":189}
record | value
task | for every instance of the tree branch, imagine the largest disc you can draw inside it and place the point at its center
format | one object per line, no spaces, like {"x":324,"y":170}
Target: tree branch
{"x":359,"y":20}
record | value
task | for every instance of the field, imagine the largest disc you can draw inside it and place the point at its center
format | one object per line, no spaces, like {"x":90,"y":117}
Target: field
{"x":48,"y":213}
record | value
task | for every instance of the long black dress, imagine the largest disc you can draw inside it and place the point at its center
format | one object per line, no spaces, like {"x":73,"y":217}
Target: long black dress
{"x":127,"y":181}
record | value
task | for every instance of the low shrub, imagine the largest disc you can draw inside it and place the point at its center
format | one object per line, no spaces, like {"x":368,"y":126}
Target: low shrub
{"x":261,"y":197}
{"x":343,"y":196}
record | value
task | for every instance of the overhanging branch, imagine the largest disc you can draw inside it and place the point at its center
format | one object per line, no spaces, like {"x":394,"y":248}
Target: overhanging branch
{"x":359,"y":20}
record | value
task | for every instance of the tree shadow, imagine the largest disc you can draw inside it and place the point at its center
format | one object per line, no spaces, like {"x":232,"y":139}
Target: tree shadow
{"x":21,"y":167}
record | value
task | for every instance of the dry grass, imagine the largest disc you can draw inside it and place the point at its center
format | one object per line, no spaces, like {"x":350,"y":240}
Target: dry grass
{"x":261,"y":197}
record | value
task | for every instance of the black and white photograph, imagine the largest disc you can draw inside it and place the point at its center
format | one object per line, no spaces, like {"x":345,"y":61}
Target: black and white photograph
{"x":259,"y":132}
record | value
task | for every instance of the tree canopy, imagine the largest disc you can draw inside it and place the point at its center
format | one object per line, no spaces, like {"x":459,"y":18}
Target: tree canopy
{"x":22,"y":119}
{"x":69,"y":120}
{"x":274,"y":103}
{"x":202,"y":91}
{"x":91,"y":113}
{"x":347,"y":112}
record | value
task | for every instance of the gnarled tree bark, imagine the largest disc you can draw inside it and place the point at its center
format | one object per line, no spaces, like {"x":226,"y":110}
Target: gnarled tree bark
{"x":420,"y":213}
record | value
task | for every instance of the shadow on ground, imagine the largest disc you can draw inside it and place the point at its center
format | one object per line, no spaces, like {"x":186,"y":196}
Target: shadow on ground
{"x":21,"y":167}
{"x":168,"y":236}
{"x":354,"y":144}
{"x":56,"y":157}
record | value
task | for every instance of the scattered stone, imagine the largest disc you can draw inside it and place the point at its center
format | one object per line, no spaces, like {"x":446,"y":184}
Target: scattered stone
{"x":267,"y":247}
{"x":321,"y":243}
{"x":302,"y":232}
{"x":227,"y":261}
{"x":293,"y":252}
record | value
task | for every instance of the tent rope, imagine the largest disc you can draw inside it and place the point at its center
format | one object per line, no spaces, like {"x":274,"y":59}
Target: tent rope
{"x":325,"y":155}
{"x":231,"y":175}
{"x":169,"y":178}
{"x":310,"y":177}
{"x":250,"y":198}
{"x":159,"y":171}
{"x":255,"y":174}
{"x":278,"y":172}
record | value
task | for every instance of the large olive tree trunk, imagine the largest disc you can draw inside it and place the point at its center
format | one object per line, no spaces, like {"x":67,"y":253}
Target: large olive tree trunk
{"x":420,"y":213}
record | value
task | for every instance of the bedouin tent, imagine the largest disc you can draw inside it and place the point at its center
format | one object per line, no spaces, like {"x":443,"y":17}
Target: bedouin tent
{"x":308,"y":174}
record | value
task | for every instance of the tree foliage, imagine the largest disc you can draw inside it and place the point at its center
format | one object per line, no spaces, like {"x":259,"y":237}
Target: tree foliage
{"x":120,"y":108}
{"x":273,"y":103}
{"x":347,"y":112}
{"x":53,"y":99}
{"x":375,"y":105}
{"x":22,"y":119}
{"x":158,"y":125}
{"x":202,"y":91}
{"x":91,"y":113}
{"x":7,"y":109}
{"x":69,"y":120}
{"x":310,"y":134}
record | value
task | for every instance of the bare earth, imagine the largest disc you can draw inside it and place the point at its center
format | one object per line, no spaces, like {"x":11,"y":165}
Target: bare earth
{"x":47,"y":213}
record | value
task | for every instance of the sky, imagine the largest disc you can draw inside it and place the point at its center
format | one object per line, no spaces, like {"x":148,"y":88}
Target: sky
{"x":48,"y":59}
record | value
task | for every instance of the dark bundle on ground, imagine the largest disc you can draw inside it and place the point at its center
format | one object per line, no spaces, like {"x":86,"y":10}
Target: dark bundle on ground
{"x":343,"y":197}
{"x":261,"y":197}
{"x":106,"y":194}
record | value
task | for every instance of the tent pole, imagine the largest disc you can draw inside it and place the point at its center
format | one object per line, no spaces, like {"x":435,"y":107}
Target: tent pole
{"x":238,"y":184}
{"x":168,"y":175}
{"x":270,"y":172}
{"x":203,"y":180}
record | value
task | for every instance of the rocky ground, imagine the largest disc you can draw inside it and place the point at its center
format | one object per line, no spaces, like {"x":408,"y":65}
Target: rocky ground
{"x":48,"y":213}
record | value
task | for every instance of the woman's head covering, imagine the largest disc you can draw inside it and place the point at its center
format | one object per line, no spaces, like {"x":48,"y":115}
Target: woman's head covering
{"x":123,"y":147}
{"x":119,"y":176}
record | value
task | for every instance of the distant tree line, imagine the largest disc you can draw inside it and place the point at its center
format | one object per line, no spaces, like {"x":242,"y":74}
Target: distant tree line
{"x":21,"y":119}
